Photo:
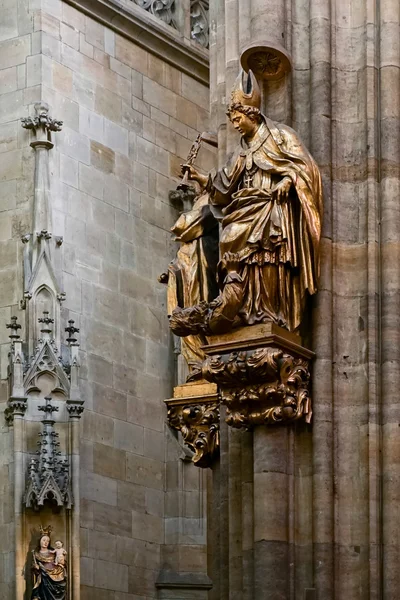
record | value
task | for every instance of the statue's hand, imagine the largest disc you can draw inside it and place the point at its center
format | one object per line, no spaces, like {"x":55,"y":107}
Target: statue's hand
{"x":194,"y":175}
{"x":163,"y":278}
{"x":231,"y":262}
{"x":281,"y":190}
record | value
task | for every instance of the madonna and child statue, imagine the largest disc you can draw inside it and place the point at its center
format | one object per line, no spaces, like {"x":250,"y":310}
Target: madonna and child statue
{"x":268,"y":200}
{"x":49,"y":567}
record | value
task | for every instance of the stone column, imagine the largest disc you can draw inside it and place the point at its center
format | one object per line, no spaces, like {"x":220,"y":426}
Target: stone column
{"x":220,"y":64}
{"x":244,"y":23}
{"x":15,"y":412}
{"x":353,"y":268}
{"x":75,"y":410}
{"x":389,"y":175}
{"x":232,"y":61}
{"x":269,"y":23}
{"x":19,"y":408}
{"x":319,"y":93}
{"x":271,"y":513}
{"x":224,"y":578}
{"x":214,"y":530}
{"x":374,"y":318}
{"x":235,"y":516}
{"x":247,"y":515}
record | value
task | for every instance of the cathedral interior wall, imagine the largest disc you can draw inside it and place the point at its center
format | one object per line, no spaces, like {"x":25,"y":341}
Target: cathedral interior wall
{"x":129,"y":121}
{"x":309,"y":511}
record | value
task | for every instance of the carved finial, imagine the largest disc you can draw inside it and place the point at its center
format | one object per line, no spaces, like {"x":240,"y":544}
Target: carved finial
{"x":47,"y":321}
{"x":44,"y":234}
{"x":48,"y":476}
{"x":14,"y":326}
{"x":41,"y":119}
{"x":71,"y":330}
{"x":48,"y":408}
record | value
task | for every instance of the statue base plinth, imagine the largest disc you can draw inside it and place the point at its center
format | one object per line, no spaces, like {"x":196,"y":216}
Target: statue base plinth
{"x":262,"y":374}
{"x":194,"y":411}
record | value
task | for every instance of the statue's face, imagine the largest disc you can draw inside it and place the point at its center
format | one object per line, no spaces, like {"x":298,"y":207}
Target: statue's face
{"x":244,"y":124}
{"x":44,"y":541}
{"x":58,"y":545}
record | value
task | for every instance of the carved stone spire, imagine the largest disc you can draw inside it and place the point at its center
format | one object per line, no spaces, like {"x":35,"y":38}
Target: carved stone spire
{"x":16,"y":405}
{"x":74,"y":402}
{"x":48,"y":477}
{"x":43,"y":126}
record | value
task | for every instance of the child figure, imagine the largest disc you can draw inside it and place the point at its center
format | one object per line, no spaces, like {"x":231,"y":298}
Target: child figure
{"x":60,"y":553}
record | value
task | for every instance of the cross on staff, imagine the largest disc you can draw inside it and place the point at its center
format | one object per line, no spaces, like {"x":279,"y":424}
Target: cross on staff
{"x":194,"y":150}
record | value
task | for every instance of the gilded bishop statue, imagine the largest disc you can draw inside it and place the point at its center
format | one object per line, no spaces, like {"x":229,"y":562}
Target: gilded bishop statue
{"x":270,"y":197}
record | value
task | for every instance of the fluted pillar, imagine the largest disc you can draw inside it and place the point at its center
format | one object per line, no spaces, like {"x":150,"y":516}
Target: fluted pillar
{"x":19,"y":485}
{"x":247,"y":456}
{"x":343,"y":99}
{"x":75,"y":414}
{"x":321,"y":147}
{"x":271,"y":513}
{"x":389,"y":122}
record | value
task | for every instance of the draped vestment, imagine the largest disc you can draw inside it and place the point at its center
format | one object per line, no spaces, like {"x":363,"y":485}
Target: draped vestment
{"x":277,"y":242}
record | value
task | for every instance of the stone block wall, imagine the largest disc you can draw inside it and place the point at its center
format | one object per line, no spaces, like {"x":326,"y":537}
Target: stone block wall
{"x":17,"y":49}
{"x":129,"y":121}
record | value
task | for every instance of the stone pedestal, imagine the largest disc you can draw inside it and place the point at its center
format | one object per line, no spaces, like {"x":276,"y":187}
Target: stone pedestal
{"x":262,"y":373}
{"x":194,"y":411}
{"x":262,"y":485}
{"x":260,"y":526}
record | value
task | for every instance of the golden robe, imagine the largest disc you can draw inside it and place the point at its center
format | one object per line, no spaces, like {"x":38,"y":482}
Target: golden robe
{"x":50,"y":579}
{"x":277,"y":242}
{"x":192,"y":275}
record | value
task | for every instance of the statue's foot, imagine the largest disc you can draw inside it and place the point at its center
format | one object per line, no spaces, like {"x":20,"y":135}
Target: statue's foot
{"x":187,"y":321}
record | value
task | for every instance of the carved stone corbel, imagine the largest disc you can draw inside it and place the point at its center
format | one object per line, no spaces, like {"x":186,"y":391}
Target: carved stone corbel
{"x":262,"y":373}
{"x":194,"y":411}
{"x":15,"y":407}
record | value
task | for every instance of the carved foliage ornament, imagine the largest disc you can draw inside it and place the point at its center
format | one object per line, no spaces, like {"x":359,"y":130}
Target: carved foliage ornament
{"x":162,"y":9}
{"x":262,"y":386}
{"x":199,"y":21}
{"x":268,"y":61}
{"x":42,"y":121}
{"x":15,"y":406}
{"x":199,"y":426}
